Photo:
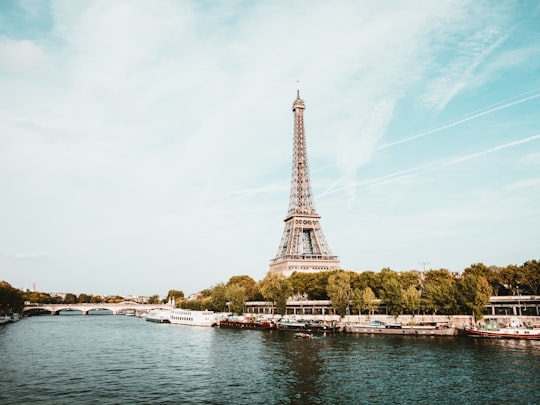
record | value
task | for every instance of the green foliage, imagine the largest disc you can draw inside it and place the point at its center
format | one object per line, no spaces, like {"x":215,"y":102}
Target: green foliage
{"x":217,"y":299}
{"x":196,"y":305}
{"x":154,"y":299}
{"x":178,"y":295}
{"x":277,"y":288}
{"x":481,"y":299}
{"x":531,"y":276}
{"x":357,"y":299}
{"x":115,"y":300}
{"x":409,"y":279}
{"x":83,"y":298}
{"x":474,"y":294}
{"x":339,"y":290}
{"x":70,"y":298}
{"x":311,"y":284}
{"x":251,"y":288}
{"x":370,"y":301}
{"x":11,"y":299}
{"x":364,"y":300}
{"x":411,"y":300}
{"x":392,"y":294}
{"x":439,"y":293}
{"x":41,"y":298}
{"x":236,"y":295}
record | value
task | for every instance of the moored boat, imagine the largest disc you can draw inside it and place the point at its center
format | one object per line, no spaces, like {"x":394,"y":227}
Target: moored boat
{"x":514,"y":329}
{"x":248,"y":323}
{"x":308,"y":326}
{"x":420,"y":329}
{"x":189,"y":317}
{"x":159,"y":316}
{"x":287,"y":324}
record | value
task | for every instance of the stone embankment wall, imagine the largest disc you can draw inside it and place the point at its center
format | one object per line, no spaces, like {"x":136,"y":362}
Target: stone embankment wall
{"x":458,"y":321}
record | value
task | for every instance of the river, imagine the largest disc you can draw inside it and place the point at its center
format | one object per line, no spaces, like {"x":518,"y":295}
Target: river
{"x":125,"y":360}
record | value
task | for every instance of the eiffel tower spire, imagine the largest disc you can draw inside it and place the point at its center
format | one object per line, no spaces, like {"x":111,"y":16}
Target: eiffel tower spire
{"x":303,"y":247}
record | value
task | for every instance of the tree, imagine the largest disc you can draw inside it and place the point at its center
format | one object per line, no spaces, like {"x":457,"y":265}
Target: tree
{"x":96,"y":299}
{"x":249,"y":285}
{"x":474,"y":294}
{"x":370,"y":301}
{"x":368,"y":279}
{"x":178,"y":295}
{"x":277,"y":288}
{"x":311,"y":284}
{"x":411,"y":299}
{"x":439,"y":292}
{"x":491,"y":274}
{"x":531,"y":273}
{"x":83,"y":298}
{"x":154,"y":299}
{"x":364,"y":300}
{"x":236,"y":295}
{"x":217,"y":298}
{"x":339,"y":291}
{"x":512,"y":277}
{"x":409,"y":279}
{"x":11,"y":299}
{"x":392,"y":294}
{"x":70,"y":298}
{"x":357,"y":300}
{"x":483,"y":295}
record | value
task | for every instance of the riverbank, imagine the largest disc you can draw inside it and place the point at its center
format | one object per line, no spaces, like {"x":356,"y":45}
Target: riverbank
{"x":456,"y":321}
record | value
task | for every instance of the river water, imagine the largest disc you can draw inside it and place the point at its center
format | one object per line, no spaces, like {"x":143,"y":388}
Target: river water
{"x":125,"y":360}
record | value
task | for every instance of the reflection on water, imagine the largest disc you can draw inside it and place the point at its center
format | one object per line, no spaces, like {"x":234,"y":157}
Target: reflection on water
{"x":118,"y":359}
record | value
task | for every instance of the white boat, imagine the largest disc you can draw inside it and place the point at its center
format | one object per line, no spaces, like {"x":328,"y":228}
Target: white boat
{"x":159,"y":316}
{"x":513,"y":330}
{"x":181,"y":316}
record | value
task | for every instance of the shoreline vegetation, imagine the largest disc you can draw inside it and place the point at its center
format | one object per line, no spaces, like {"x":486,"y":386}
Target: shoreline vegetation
{"x":417,"y":293}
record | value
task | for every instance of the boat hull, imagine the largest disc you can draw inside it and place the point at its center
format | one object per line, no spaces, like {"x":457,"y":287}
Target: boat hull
{"x":193,"y":318}
{"x":248,"y":325}
{"x":411,"y":330}
{"x":504,"y":333}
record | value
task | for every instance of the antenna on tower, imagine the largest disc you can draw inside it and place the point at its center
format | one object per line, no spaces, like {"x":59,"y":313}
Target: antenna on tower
{"x":298,"y":89}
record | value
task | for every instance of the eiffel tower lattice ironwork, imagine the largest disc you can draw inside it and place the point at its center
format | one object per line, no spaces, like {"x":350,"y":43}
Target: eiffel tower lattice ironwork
{"x":303,"y":247}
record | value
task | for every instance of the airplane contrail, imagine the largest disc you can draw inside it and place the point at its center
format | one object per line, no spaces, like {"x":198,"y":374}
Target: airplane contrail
{"x":414,"y":170}
{"x":460,"y":121}
{"x":491,"y":150}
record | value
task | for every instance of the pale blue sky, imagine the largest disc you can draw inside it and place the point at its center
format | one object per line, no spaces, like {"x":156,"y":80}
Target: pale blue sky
{"x":146,"y":146}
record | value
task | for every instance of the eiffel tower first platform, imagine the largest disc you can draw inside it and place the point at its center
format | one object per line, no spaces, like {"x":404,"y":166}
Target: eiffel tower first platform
{"x":303,"y":247}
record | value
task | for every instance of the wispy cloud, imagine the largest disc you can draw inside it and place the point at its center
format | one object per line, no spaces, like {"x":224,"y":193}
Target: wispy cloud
{"x":474,"y":47}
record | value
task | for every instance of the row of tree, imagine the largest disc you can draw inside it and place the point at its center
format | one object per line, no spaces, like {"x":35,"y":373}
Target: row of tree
{"x":70,"y":298}
{"x":434,"y":291}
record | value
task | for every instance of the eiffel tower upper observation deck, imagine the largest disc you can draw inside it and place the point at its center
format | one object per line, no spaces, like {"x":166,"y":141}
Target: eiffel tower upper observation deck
{"x":303,"y":247}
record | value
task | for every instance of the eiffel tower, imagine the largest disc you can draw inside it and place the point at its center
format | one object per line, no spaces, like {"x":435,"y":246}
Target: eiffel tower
{"x":303,"y":247}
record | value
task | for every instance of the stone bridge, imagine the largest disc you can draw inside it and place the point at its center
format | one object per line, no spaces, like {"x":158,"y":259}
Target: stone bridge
{"x":118,"y":308}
